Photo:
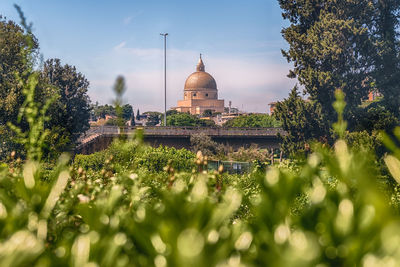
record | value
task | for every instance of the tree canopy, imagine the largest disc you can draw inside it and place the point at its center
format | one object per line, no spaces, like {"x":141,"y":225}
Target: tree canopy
{"x":302,"y":122}
{"x":185,"y":119}
{"x":72,"y":108}
{"x":17,"y":56}
{"x":330,"y":47}
{"x":253,"y":120}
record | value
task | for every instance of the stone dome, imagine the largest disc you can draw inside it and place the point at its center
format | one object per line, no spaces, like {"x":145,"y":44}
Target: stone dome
{"x":200,"y":79}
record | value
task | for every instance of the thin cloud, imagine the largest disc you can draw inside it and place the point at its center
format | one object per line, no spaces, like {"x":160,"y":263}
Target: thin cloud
{"x":129,"y":19}
{"x":120,"y":46}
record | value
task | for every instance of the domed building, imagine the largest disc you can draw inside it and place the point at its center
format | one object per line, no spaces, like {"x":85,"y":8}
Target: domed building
{"x":200,"y":93}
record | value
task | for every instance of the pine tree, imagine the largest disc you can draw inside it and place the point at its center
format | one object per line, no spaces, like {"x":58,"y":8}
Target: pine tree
{"x":330,"y":48}
{"x":387,"y":64}
{"x":302,"y":122}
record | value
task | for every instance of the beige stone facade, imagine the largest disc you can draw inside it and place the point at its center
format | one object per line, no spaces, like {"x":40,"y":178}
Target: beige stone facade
{"x":200,"y":93}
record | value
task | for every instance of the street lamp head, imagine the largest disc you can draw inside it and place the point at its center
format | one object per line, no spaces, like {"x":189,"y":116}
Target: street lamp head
{"x":164,"y":34}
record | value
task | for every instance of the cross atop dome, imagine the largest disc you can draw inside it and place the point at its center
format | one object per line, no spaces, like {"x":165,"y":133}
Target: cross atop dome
{"x":200,"y":65}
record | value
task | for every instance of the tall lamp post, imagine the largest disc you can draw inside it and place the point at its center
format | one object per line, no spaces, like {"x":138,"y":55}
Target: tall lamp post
{"x":165,"y":77}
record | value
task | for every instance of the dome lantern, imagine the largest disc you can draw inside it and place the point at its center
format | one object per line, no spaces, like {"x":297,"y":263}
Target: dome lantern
{"x":200,"y":65}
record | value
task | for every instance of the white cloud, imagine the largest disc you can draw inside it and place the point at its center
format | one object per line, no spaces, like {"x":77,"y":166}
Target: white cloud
{"x":247,"y":82}
{"x":120,"y":46}
{"x":127,"y":20}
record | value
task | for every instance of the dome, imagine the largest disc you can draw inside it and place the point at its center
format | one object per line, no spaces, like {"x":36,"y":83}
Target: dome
{"x":200,"y":79}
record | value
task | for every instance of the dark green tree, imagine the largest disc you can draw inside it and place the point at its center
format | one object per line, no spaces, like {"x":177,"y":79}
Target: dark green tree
{"x":138,"y":115}
{"x":153,"y":118}
{"x":127,"y":112}
{"x":171,"y":112}
{"x":185,"y":119}
{"x":253,"y":121}
{"x":17,"y":58}
{"x":330,"y":48}
{"x":208,"y":113}
{"x":102,"y":111}
{"x":72,"y":108}
{"x":387,"y":58}
{"x":302,"y":122}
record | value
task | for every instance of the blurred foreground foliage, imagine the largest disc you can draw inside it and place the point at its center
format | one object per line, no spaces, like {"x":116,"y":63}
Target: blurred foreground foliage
{"x":132,"y":205}
{"x":118,"y":208}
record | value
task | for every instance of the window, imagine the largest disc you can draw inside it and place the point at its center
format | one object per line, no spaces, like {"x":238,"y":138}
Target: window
{"x":206,"y":94}
{"x":194,"y":94}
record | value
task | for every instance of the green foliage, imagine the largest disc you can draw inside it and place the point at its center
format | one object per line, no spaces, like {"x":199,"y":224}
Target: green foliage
{"x":102,"y":111}
{"x":172,"y":112}
{"x":331,"y":46}
{"x":185,"y":119}
{"x":93,"y":161}
{"x":204,"y":143}
{"x":366,"y":141}
{"x":17,"y":56}
{"x":153,"y":118}
{"x":328,"y":211}
{"x":127,"y":112}
{"x":35,"y":114}
{"x":386,"y":59}
{"x":134,"y":155}
{"x":376,"y":117}
{"x":253,"y":121}
{"x":121,"y":207}
{"x":302,"y":122}
{"x":208,"y":113}
{"x":72,"y":107}
{"x":253,"y":153}
{"x":119,"y":89}
{"x":138,"y":115}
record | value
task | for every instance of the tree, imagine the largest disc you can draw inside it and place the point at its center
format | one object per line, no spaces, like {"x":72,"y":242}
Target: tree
{"x":171,"y":112}
{"x":302,"y":122}
{"x":204,"y":143}
{"x":387,"y":57}
{"x":153,"y":118}
{"x":185,"y":119}
{"x":72,"y":109}
{"x":253,"y":120}
{"x":330,"y":47}
{"x":127,"y":112}
{"x":208,"y":113}
{"x":17,"y":57}
{"x":376,"y":118}
{"x":102,"y":111}
{"x":138,"y":115}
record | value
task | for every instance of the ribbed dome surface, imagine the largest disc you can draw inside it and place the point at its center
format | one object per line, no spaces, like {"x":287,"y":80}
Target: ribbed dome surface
{"x":200,"y":80}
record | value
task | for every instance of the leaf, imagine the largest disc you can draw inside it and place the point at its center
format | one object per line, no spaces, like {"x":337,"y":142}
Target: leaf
{"x":393,"y":165}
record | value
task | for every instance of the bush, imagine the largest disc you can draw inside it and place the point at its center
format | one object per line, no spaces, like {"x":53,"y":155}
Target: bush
{"x":124,"y":155}
{"x":204,"y":143}
{"x":254,"y":121}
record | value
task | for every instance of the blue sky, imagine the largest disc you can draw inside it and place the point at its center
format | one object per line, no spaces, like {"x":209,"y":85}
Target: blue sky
{"x":240,"y":41}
